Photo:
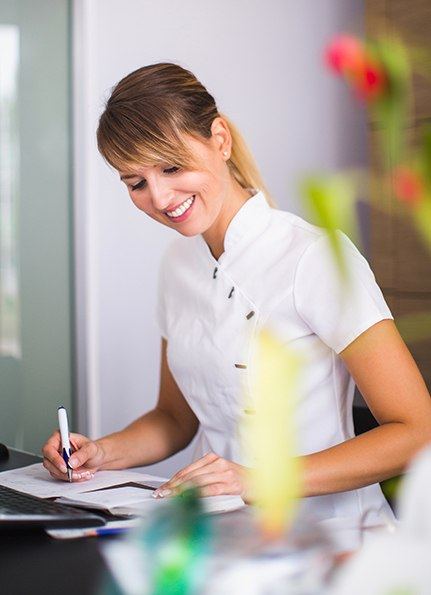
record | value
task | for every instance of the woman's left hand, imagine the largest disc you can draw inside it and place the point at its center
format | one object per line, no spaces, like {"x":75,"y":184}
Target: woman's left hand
{"x":213,"y":475}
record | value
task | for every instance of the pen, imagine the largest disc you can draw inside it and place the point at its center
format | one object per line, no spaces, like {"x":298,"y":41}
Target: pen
{"x":108,"y":531}
{"x":65,"y":443}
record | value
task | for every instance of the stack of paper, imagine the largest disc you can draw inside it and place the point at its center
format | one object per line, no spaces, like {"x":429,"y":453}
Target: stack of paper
{"x":98,"y":493}
{"x":36,"y":480}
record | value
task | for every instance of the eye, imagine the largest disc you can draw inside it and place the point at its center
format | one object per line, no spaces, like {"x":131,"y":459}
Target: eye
{"x":169,"y":170}
{"x":138,"y":185}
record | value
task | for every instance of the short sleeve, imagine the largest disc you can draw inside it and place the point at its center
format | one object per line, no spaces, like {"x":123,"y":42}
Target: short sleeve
{"x":338,"y":310}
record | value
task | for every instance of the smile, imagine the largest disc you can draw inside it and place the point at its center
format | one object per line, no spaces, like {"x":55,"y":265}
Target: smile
{"x":185,"y":206}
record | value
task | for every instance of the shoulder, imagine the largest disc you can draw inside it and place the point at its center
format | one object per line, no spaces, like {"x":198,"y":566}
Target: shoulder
{"x":291,"y":235}
{"x":307,"y":251}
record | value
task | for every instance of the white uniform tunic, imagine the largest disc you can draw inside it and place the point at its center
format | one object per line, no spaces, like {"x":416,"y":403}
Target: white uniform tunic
{"x":277,"y":271}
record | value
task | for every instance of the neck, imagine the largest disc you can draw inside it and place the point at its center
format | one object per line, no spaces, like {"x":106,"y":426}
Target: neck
{"x":214,"y":236}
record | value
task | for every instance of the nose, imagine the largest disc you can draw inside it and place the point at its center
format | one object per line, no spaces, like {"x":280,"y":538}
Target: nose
{"x":161,"y":193}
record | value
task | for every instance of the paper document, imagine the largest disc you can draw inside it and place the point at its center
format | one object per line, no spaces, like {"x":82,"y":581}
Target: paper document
{"x":116,"y":500}
{"x":129,"y":501}
{"x":36,"y":480}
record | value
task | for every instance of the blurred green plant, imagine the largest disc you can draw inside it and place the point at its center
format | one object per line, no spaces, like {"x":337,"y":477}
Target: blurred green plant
{"x":177,"y":541}
{"x":379,"y":72}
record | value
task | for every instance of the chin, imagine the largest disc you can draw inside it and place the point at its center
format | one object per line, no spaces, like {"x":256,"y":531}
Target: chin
{"x":190,"y":231}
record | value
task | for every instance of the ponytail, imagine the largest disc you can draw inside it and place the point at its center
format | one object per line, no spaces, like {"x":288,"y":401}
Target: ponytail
{"x":242,"y":163}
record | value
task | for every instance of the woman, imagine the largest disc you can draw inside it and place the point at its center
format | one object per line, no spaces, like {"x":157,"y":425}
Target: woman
{"x":244,"y":265}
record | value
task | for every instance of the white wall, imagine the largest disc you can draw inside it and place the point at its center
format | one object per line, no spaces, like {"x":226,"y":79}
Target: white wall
{"x":262,"y":62}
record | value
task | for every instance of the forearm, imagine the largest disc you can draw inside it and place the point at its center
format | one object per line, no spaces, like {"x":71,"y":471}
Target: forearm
{"x":149,"y":439}
{"x":369,"y":458}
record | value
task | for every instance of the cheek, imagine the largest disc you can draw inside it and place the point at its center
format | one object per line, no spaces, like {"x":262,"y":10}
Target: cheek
{"x":205,"y":183}
{"x":141,"y":203}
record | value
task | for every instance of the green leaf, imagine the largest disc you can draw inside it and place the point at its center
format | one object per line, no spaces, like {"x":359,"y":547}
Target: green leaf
{"x":426,"y":156}
{"x":330,"y":202}
{"x":391,"y":110}
{"x":422,"y":220}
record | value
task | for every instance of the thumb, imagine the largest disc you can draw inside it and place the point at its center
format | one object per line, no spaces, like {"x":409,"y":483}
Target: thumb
{"x":81,"y":456}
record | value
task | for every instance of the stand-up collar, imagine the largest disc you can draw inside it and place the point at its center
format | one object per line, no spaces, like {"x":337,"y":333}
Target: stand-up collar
{"x":248,"y":222}
{"x":252,"y":218}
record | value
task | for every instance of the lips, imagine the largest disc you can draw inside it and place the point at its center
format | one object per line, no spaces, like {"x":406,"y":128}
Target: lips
{"x":181,"y":209}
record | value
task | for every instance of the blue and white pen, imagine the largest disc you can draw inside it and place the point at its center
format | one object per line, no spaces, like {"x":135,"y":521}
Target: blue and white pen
{"x":65,"y":442}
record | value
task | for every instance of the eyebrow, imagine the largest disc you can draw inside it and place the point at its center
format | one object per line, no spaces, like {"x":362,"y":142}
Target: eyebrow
{"x":129,"y":177}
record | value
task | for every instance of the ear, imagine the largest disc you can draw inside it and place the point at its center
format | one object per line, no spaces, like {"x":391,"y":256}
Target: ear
{"x":221,"y":137}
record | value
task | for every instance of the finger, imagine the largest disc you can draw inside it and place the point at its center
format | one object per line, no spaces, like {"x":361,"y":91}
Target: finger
{"x":205,"y":460}
{"x":233,"y":484}
{"x":82,"y":455}
{"x":207,"y":474}
{"x":82,"y":476}
{"x":73,"y":444}
{"x":214,"y":489}
{"x":57,"y":460}
{"x":210,"y":469}
{"x":206,"y":479}
{"x":54,"y":471}
{"x":85,"y":470}
{"x":78,"y":440}
{"x":50,"y":451}
{"x":76,"y":475}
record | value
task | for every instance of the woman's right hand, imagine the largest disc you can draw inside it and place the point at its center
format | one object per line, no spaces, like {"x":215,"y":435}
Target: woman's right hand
{"x":86,"y":459}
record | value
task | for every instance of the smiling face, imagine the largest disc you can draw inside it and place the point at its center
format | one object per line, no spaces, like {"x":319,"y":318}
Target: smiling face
{"x":191,"y":201}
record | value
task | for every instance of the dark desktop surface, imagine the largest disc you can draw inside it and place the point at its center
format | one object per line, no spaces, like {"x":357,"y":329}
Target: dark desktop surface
{"x":32,"y":563}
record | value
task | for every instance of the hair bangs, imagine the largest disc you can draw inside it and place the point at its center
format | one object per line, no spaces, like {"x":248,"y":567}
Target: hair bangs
{"x":127,"y":139}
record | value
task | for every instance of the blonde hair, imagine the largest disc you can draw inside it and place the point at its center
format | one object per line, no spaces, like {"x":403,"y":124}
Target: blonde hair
{"x":151,"y":109}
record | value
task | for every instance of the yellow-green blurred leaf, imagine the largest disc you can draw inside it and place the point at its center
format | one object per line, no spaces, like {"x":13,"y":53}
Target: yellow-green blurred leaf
{"x":330,"y":202}
{"x":392,"y":108}
{"x":270,"y":432}
{"x":422,"y":220}
{"x":426,"y":156}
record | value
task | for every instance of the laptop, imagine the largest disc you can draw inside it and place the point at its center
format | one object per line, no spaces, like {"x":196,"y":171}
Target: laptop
{"x":20,"y":510}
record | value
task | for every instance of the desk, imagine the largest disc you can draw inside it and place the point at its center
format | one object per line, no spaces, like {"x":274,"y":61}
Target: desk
{"x":32,"y":563}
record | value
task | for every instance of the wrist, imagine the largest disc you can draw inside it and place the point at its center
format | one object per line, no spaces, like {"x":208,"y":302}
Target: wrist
{"x":102,"y":452}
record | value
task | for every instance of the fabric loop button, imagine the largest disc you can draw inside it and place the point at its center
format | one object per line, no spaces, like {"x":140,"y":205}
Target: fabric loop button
{"x":215,"y":273}
{"x":231,"y":292}
{"x":250,"y":315}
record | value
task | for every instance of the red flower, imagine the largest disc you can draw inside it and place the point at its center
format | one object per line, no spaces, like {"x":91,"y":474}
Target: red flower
{"x":345,"y":54}
{"x":369,"y":82}
{"x":408,"y":185}
{"x":348,"y":56}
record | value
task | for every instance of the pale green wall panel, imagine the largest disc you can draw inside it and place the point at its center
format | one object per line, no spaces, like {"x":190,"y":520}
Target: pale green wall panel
{"x":32,"y":387}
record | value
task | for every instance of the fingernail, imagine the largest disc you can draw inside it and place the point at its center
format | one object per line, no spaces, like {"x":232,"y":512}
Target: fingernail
{"x":165,"y":492}
{"x":72,"y":462}
{"x":63,"y":469}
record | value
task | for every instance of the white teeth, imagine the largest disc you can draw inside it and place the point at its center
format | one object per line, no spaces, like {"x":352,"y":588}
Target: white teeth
{"x":182,"y":208}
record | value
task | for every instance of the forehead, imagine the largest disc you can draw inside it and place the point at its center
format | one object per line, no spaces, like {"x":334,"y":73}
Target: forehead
{"x":129,"y":172}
